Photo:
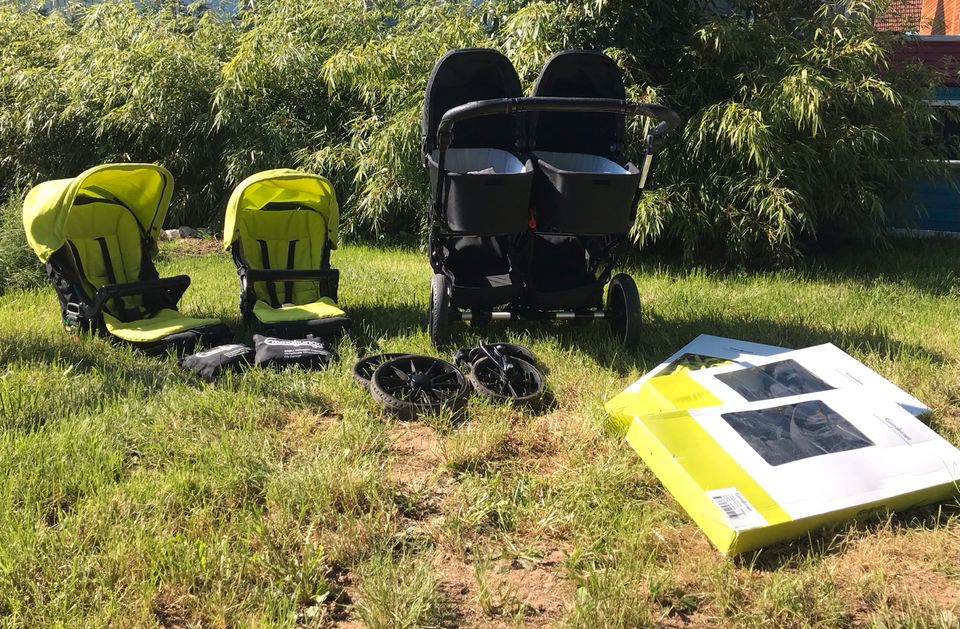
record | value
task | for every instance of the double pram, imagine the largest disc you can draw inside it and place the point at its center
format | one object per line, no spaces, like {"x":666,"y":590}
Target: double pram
{"x":531,"y":196}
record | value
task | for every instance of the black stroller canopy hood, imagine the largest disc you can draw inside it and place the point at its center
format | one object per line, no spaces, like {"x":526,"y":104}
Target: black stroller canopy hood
{"x":579,"y":73}
{"x":466,"y":75}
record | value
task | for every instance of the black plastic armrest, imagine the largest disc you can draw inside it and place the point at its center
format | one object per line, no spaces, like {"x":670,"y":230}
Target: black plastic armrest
{"x":174,"y":287}
{"x":279,"y":275}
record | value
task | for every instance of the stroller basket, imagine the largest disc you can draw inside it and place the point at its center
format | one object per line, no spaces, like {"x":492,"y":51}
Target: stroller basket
{"x":486,"y":191}
{"x":584,"y":194}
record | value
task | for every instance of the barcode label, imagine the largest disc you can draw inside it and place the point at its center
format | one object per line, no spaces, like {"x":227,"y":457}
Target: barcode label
{"x":737,"y":509}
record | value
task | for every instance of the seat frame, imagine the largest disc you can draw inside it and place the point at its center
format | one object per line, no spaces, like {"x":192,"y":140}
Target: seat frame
{"x":327,"y":278}
{"x":83,"y":312}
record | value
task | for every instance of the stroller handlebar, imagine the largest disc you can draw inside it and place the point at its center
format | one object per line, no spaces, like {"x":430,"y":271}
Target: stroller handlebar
{"x":666,"y":117}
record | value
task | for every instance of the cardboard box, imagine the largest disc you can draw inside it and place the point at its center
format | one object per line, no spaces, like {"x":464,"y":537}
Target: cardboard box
{"x":756,"y":473}
{"x":703,"y":352}
{"x":749,"y":378}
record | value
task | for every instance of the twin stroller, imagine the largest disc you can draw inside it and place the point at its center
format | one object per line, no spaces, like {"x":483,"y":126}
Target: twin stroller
{"x":97,"y":235}
{"x":531,"y":196}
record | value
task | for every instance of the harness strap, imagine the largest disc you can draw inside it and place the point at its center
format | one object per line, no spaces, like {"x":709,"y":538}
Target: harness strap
{"x":271,"y":288}
{"x":288,"y":286}
{"x":123,"y":312}
{"x":81,"y":276}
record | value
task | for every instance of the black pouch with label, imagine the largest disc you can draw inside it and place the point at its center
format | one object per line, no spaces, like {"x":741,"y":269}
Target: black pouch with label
{"x":211,"y":363}
{"x":307,"y":353}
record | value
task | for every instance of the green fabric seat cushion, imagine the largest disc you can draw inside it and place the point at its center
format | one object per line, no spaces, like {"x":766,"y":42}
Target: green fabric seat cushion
{"x":323,"y":308}
{"x":155,"y":328}
{"x":284,"y":239}
{"x":106,"y":241}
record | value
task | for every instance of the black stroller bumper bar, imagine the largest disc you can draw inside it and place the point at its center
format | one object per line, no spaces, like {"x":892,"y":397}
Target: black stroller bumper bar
{"x":279,"y":275}
{"x":666,"y":117}
{"x":174,"y":286}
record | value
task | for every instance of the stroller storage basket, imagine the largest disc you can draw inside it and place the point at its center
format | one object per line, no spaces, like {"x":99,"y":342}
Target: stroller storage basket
{"x":486,"y":191}
{"x":584,"y":194}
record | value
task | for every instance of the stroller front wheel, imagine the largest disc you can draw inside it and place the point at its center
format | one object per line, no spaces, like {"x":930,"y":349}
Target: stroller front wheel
{"x":623,"y":309}
{"x":439,"y":324}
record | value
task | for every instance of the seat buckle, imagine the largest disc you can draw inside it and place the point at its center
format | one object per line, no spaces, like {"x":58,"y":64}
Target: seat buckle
{"x":72,"y":314}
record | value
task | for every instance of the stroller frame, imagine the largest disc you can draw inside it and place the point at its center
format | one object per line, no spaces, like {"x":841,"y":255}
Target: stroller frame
{"x":601,"y":247}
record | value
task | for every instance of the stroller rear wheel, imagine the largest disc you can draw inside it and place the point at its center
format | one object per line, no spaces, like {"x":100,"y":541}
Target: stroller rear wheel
{"x":623,"y":309}
{"x":439,"y":324}
{"x":412,"y":385}
{"x":508,"y":379}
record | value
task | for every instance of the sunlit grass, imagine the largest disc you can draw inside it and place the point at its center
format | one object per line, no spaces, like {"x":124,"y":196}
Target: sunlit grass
{"x":133,"y":495}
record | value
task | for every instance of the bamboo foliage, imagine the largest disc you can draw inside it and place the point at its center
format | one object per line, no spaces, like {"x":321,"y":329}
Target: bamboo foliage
{"x":796,"y":125}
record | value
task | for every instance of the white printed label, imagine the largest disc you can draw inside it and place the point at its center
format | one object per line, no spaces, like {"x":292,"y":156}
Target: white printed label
{"x":737,"y":509}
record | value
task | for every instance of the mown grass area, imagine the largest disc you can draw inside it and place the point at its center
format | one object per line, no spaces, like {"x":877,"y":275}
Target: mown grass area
{"x":132,"y":495}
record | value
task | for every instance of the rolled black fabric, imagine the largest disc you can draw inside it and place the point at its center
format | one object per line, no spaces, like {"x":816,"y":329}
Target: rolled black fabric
{"x":308,"y":353}
{"x":212,"y":362}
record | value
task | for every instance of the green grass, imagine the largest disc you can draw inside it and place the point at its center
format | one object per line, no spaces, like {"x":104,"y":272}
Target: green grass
{"x":131,"y":495}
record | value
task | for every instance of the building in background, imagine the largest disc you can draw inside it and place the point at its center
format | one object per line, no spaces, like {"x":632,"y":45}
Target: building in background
{"x":933,"y":29}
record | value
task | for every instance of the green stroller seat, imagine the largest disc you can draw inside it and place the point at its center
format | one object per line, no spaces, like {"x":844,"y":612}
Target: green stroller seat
{"x":280,"y":227}
{"x":97,"y":235}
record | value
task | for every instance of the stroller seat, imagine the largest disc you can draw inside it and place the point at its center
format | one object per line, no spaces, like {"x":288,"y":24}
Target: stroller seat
{"x":281,"y":226}
{"x":91,"y":232}
{"x":104,"y":238}
{"x":482,"y":161}
{"x":583,"y":185}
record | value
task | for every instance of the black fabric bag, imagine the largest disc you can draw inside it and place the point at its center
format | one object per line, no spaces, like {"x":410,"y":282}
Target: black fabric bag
{"x":212,"y":362}
{"x":308,"y":353}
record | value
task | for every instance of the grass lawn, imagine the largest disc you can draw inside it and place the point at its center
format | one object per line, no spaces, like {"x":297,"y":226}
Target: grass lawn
{"x":131,"y":495}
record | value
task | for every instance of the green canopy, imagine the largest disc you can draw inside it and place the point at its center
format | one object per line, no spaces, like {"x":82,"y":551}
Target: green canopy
{"x":283,"y":186}
{"x":143,"y":188}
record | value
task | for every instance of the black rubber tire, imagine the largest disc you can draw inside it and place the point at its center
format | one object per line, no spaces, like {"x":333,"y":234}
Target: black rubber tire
{"x":439,"y":325}
{"x":487,"y":381}
{"x":623,"y":309}
{"x":392,"y":387}
{"x":363,"y":369}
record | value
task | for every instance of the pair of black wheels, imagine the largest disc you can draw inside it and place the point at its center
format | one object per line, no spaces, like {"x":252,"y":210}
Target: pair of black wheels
{"x":409,"y":385}
{"x":623,"y":310}
{"x":502,"y":376}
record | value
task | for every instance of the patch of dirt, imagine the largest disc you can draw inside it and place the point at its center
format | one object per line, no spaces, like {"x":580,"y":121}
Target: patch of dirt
{"x":505,"y":592}
{"x":416,"y":451}
{"x":195,"y":246}
{"x":534,"y":591}
{"x":170,"y":611}
{"x":915,"y":566}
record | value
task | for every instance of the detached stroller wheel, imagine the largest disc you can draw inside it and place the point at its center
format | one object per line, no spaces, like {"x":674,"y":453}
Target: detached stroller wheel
{"x":439,"y":325}
{"x":520,"y":383}
{"x":412,"y":385}
{"x":623,"y":309}
{"x":363,"y":369}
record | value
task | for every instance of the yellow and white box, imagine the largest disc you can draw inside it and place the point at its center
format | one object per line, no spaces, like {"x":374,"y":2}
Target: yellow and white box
{"x":756,"y":473}
{"x":751,"y":378}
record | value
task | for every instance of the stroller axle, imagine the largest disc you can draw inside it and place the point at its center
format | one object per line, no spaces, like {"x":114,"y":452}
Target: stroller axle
{"x":529,"y":315}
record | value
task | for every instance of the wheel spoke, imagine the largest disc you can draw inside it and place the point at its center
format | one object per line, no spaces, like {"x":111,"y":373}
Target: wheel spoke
{"x":403,"y":376}
{"x":444,"y":377}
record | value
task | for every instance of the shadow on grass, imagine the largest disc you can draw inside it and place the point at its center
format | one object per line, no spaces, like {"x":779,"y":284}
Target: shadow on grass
{"x":834,"y":540}
{"x":929,"y":265}
{"x":84,"y":355}
{"x":370,"y":323}
{"x":662,"y":337}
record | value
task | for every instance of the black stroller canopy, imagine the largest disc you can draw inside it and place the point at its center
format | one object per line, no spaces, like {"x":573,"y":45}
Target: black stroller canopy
{"x":587,"y":74}
{"x":463,"y":76}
